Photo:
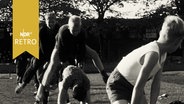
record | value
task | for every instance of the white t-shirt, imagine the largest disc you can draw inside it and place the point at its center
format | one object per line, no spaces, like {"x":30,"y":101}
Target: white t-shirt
{"x":130,"y":65}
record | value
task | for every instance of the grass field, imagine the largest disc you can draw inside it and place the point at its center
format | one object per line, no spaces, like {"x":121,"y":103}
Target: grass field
{"x":172,"y":84}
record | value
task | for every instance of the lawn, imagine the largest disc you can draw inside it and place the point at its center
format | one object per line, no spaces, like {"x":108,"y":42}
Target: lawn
{"x":172,"y":84}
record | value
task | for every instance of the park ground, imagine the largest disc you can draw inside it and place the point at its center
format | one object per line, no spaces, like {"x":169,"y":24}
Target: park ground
{"x":172,"y":85}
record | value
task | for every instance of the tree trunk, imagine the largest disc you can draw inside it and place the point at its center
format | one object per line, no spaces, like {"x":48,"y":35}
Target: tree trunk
{"x":100,"y":16}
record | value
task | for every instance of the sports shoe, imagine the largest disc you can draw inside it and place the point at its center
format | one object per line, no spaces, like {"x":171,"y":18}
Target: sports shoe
{"x":42,"y":98}
{"x":37,"y":99}
{"x":19,"y":88}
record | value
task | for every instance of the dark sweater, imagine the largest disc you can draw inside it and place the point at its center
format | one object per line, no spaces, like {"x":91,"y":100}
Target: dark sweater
{"x":47,"y":41}
{"x":70,"y":47}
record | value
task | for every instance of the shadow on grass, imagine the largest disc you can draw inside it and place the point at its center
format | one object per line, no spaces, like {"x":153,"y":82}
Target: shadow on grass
{"x":96,"y":89}
{"x":173,"y":77}
{"x":98,"y":93}
{"x":101,"y":102}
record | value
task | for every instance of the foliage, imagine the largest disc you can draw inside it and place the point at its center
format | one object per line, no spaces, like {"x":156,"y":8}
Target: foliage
{"x":172,"y":7}
{"x":180,"y":7}
{"x":61,"y":7}
{"x":5,"y":10}
{"x":64,"y":8}
{"x":160,"y":12}
{"x":101,"y":6}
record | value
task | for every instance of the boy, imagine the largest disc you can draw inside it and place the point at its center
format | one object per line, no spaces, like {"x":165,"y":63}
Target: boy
{"x":126,"y":83}
{"x":70,"y":49}
{"x":47,"y":42}
{"x":75,"y":78}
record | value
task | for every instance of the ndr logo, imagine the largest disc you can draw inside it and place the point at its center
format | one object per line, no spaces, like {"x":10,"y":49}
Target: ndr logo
{"x":25,"y":34}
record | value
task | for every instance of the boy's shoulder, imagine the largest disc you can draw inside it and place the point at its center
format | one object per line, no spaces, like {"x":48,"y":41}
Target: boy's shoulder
{"x":63,"y":27}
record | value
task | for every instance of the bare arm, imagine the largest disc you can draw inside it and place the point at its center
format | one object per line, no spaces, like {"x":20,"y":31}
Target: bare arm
{"x":155,"y":88}
{"x":95,"y":58}
{"x":150,"y":60}
{"x":63,"y":95}
{"x":63,"y":88}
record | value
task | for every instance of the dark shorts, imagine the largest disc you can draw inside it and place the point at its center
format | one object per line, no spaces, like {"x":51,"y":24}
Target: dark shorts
{"x":118,"y":88}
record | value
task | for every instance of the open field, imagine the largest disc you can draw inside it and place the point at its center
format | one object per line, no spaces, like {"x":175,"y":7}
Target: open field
{"x":172,"y":84}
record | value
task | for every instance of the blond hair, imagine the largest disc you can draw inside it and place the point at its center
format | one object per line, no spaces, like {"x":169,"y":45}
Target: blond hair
{"x":172,"y":28}
{"x":74,"y":20}
{"x":50,"y":15}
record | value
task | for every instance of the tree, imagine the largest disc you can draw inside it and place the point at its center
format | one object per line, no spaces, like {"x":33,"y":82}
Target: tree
{"x":101,"y":6}
{"x":180,"y":7}
{"x":61,"y":7}
{"x":4,"y":3}
{"x":5,"y":10}
{"x":172,"y":7}
{"x":161,"y":11}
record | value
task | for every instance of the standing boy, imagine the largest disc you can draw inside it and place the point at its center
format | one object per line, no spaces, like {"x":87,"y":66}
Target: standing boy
{"x":47,"y":41}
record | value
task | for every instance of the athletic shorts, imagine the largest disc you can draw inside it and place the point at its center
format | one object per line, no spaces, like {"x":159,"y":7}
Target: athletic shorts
{"x":118,"y":88}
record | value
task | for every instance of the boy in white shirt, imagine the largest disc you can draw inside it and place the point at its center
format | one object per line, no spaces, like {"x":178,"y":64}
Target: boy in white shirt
{"x":126,"y":83}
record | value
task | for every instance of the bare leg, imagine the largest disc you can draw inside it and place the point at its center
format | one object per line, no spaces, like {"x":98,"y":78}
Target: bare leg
{"x":51,"y":69}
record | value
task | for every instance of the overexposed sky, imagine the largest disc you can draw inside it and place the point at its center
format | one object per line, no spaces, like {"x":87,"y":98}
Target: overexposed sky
{"x":128,"y":11}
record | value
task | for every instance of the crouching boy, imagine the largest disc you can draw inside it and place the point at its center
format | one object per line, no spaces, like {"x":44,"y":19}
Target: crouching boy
{"x":76,"y":79}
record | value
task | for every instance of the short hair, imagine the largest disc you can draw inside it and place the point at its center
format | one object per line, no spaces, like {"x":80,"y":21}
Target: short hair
{"x":50,"y":15}
{"x":76,"y":20}
{"x":172,"y":28}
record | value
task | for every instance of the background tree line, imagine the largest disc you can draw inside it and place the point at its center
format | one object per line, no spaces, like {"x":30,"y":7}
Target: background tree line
{"x":65,"y":7}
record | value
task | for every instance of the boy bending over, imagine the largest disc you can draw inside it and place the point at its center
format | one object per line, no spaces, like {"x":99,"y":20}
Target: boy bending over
{"x":126,"y":83}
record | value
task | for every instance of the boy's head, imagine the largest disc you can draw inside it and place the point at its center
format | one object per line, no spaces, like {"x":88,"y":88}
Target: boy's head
{"x":74,"y":24}
{"x":172,"y":31}
{"x":50,"y":19}
{"x":172,"y":28}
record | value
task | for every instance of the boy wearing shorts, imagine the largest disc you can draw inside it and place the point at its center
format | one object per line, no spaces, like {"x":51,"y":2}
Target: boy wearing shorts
{"x":126,"y":83}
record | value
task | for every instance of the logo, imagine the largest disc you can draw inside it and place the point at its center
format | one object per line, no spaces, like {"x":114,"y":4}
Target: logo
{"x":25,"y":34}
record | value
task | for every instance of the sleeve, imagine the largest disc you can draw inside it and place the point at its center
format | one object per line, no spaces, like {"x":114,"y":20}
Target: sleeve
{"x":146,"y":49}
{"x":59,"y":36}
{"x":82,"y":48}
